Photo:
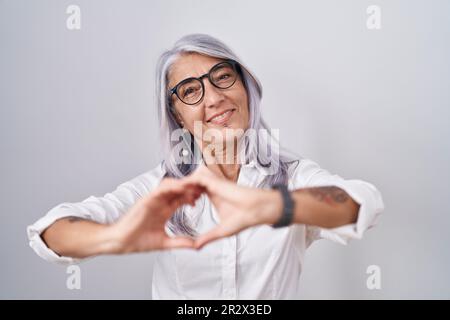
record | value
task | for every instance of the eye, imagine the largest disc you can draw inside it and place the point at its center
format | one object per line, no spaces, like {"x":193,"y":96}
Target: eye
{"x":189,"y":91}
{"x":223,"y":75}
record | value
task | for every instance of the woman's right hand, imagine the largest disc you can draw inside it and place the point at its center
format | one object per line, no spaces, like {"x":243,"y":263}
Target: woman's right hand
{"x":142,"y":228}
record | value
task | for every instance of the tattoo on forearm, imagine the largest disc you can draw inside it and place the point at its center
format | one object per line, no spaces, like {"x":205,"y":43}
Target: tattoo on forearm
{"x":330,"y":195}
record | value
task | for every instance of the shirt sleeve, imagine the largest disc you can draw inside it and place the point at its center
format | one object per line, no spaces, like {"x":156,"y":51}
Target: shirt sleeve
{"x":106,"y":209}
{"x":309,"y":174}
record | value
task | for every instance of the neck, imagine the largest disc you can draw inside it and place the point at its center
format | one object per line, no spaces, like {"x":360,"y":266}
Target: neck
{"x":223,"y":161}
{"x":227,"y":171}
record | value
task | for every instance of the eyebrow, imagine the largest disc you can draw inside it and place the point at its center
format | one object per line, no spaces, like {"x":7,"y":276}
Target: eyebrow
{"x":209,"y":69}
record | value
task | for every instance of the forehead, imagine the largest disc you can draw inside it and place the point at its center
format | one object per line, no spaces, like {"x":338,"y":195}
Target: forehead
{"x":190,"y":65}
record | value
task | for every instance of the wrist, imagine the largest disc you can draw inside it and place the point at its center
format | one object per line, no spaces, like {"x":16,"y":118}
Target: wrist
{"x":287,"y":215}
{"x":108,"y":240}
{"x":270,"y":206}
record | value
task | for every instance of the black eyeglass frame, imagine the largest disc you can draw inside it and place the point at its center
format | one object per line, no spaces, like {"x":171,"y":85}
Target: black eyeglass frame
{"x":234,"y":64}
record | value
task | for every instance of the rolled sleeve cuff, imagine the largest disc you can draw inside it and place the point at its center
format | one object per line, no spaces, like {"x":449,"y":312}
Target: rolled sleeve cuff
{"x":371,"y":206}
{"x":35,"y":230}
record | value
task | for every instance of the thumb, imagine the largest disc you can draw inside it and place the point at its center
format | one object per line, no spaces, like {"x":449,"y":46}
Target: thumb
{"x":221,"y":231}
{"x":177,"y":242}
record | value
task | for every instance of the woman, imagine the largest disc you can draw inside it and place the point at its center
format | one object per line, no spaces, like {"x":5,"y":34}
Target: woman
{"x":215,"y":191}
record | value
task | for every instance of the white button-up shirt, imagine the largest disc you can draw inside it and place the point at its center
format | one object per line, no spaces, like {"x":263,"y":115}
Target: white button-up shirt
{"x":258,"y":263}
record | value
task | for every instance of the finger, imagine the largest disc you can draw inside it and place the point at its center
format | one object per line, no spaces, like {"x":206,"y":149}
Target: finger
{"x":178,"y":187}
{"x":176,"y":202}
{"x":178,"y":242}
{"x":215,"y":185}
{"x":182,"y":199}
{"x":190,"y":196}
{"x":218,"y":232}
{"x":166,"y":188}
{"x":201,"y":176}
{"x":175,"y":192}
{"x":170,"y":185}
{"x":194,"y":191}
{"x":187,"y":197}
{"x":187,"y":200}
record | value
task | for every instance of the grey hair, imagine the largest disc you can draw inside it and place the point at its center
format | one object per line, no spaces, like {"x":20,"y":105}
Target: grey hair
{"x":207,"y":45}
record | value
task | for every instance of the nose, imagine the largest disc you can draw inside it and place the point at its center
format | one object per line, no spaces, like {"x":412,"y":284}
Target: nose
{"x":213,"y":96}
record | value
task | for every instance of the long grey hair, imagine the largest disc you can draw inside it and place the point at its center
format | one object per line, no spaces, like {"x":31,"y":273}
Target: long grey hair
{"x":180,"y":223}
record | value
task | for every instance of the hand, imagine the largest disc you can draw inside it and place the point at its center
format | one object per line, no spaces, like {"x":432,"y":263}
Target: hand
{"x":142,"y":228}
{"x":238,"y":207}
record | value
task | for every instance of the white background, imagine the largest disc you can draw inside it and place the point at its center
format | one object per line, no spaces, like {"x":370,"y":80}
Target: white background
{"x":77,"y":118}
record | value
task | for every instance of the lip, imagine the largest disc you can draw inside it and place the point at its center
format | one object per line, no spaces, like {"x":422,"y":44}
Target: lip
{"x":225,"y":119}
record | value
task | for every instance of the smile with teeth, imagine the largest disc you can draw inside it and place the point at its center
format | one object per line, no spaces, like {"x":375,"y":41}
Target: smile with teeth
{"x":222,"y":118}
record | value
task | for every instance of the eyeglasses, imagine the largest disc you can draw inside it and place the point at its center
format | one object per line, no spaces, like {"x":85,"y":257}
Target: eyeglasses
{"x":192,"y":90}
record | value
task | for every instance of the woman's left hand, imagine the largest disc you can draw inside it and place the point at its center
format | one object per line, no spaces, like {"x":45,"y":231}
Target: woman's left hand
{"x":238,"y":207}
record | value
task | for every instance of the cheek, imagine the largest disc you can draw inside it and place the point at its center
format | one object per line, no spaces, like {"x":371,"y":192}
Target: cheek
{"x":191,"y":116}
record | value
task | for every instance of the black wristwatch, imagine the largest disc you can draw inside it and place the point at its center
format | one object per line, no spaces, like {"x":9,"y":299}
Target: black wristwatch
{"x":288,"y":207}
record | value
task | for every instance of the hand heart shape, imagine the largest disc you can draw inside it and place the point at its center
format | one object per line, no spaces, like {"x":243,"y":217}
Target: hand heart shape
{"x":143,"y":227}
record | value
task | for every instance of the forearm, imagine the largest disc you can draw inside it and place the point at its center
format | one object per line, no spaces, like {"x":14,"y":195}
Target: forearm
{"x":78,"y":238}
{"x":327,"y":207}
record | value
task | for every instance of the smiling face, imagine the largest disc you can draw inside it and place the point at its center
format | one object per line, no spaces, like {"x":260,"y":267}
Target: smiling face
{"x":219,"y":109}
